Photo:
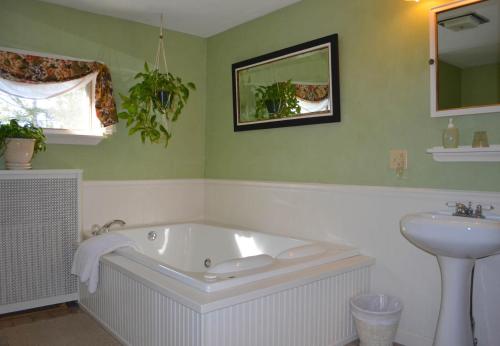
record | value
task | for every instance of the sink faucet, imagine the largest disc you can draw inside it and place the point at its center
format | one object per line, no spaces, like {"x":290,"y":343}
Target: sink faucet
{"x":468,"y":211}
{"x":97,"y":230}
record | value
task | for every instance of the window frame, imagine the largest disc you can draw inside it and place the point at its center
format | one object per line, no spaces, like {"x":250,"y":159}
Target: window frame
{"x":92,"y":136}
{"x":68,"y":136}
{"x":79,"y":137}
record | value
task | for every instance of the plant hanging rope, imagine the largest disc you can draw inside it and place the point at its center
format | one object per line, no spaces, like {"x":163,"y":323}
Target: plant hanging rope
{"x":156,"y":101}
{"x":161,"y":49}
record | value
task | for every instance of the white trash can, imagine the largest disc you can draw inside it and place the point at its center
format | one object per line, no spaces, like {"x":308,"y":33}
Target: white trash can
{"x":376,"y":317}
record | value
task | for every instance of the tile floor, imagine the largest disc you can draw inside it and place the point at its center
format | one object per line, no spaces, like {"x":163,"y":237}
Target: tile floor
{"x":354,"y":343}
{"x":60,"y":325}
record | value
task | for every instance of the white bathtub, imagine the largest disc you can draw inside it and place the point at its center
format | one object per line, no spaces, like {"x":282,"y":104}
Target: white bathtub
{"x":211,"y":258}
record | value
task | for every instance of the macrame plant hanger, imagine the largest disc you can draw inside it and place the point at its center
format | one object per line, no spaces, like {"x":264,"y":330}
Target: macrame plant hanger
{"x":160,"y":52}
{"x":165,"y":98}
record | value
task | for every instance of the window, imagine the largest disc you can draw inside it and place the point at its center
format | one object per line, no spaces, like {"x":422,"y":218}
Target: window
{"x":314,"y":106}
{"x":67,"y":118}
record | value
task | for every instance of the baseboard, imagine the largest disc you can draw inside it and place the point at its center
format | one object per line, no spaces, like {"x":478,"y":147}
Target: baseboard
{"x":5,"y":309}
{"x":408,"y":339}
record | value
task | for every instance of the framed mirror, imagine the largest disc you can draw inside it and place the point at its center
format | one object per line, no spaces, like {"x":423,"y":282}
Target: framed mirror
{"x":465,"y":58}
{"x":294,"y":86}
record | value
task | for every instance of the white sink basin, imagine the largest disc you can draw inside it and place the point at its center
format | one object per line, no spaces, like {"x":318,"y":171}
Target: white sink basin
{"x":453,"y":236}
{"x":457,"y":242}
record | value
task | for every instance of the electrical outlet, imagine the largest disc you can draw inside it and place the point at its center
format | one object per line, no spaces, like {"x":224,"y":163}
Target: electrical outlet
{"x":398,"y":159}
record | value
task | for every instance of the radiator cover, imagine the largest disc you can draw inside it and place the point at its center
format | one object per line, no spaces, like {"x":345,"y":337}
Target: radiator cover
{"x":39,"y":231}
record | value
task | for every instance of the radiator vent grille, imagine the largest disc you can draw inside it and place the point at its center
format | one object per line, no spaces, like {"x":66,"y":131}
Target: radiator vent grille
{"x":39,"y":227}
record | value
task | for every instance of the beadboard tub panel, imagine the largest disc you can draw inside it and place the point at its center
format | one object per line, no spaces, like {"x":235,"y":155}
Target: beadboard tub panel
{"x":313,"y":314}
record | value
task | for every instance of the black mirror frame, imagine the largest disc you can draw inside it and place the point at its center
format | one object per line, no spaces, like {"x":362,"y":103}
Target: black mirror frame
{"x":332,"y":41}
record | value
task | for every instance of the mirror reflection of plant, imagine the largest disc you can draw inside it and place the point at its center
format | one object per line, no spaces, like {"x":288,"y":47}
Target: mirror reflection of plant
{"x":12,"y":129}
{"x":155,"y":101}
{"x":277,"y":100}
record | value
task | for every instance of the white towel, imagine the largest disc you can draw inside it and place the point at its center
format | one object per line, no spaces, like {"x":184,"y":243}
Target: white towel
{"x":86,"y":260}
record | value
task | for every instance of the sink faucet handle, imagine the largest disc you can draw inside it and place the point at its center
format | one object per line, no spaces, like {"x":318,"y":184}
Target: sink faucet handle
{"x":487,"y":207}
{"x":461,"y":209}
{"x":453,"y":204}
{"x":479,"y":211}
{"x":456,"y":205}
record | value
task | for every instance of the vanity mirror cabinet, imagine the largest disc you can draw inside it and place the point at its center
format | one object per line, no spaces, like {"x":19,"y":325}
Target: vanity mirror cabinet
{"x":465,"y":58}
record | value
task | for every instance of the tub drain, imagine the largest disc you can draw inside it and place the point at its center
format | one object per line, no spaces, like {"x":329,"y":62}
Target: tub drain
{"x":207,"y":263}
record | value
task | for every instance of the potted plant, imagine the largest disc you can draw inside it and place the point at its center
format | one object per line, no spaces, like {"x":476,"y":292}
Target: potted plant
{"x":278,"y":100}
{"x":18,"y":144}
{"x":155,"y":101}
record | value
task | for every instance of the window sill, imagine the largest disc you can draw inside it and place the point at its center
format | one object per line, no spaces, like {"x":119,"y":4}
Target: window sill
{"x":73,"y":137}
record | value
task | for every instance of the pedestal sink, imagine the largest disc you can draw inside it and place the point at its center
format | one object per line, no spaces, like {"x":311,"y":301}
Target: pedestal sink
{"x":457,"y":242}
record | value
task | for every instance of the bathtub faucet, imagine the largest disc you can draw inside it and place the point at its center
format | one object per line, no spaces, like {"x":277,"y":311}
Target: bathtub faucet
{"x":96,"y":229}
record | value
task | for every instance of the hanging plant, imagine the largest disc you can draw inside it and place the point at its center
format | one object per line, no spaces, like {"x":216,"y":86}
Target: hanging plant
{"x":155,"y":101}
{"x":277,"y":100}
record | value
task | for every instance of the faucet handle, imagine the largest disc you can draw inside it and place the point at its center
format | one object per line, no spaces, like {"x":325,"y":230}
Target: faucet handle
{"x":458,"y":205}
{"x":95,"y":229}
{"x":484,"y":207}
{"x":487,"y":207}
{"x":479,"y":211}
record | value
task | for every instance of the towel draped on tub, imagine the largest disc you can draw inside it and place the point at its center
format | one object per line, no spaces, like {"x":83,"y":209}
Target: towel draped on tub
{"x":86,"y":260}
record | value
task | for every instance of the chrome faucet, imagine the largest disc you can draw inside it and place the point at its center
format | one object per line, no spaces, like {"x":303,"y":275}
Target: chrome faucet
{"x":97,"y":230}
{"x":468,"y":211}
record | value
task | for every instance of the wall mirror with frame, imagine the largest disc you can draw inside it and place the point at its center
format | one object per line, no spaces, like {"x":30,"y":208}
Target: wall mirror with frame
{"x":297,"y":85}
{"x":465,"y":58}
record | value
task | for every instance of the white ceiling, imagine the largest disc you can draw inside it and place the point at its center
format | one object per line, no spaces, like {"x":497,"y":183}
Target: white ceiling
{"x":197,"y":17}
{"x":473,"y":47}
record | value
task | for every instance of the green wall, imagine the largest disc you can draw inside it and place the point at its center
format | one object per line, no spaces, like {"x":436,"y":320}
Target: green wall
{"x":384,"y":95}
{"x":123,"y":46}
{"x":449,"y":86}
{"x":384,"y":81}
{"x":481,"y":85}
{"x":468,"y":87}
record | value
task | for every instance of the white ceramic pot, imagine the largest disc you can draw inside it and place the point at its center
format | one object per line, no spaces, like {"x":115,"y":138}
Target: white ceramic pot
{"x":19,"y":152}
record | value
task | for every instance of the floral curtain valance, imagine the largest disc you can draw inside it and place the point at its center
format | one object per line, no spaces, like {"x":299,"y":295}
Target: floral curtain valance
{"x":27,"y":68}
{"x":313,"y":93}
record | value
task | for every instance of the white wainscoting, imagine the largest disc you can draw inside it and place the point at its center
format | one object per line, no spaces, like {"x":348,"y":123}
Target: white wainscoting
{"x":367,"y":217}
{"x":142,"y":202}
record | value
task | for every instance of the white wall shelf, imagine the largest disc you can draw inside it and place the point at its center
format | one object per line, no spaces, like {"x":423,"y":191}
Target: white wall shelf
{"x":466,"y":154}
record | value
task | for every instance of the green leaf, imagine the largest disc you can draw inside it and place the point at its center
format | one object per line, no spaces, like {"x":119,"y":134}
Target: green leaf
{"x":12,"y":129}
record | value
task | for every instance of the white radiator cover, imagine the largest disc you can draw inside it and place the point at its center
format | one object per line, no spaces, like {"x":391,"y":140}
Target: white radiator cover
{"x":313,"y":314}
{"x":39,"y":231}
